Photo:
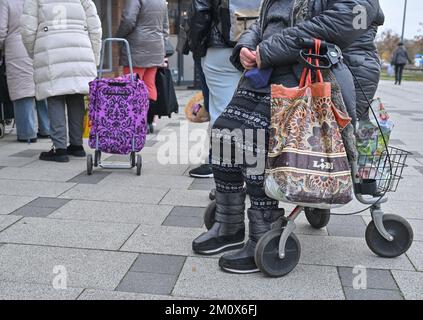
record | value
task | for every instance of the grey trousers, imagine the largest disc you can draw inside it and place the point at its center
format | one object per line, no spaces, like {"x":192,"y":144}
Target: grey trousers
{"x":57,"y":112}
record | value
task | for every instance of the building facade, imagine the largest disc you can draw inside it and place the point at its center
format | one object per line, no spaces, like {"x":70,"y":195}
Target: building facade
{"x":110,"y":11}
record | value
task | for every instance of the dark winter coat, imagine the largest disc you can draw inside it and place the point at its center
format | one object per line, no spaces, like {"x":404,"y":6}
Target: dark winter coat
{"x":276,"y":33}
{"x":401,"y":56}
{"x":204,"y":19}
{"x":364,"y":61}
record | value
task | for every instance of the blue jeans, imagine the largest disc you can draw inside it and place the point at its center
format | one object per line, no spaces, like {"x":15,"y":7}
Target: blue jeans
{"x":25,"y":118}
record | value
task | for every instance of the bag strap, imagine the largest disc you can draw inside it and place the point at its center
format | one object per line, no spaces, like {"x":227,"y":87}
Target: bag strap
{"x":306,"y":76}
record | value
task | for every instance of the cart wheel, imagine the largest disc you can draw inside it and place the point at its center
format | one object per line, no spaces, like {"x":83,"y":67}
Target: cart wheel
{"x":318,"y":218}
{"x":133,"y":158}
{"x":2,"y":130}
{"x":90,"y":164}
{"x":139,"y":165}
{"x":396,"y":226}
{"x":267,"y":254}
{"x":210,"y":215}
{"x":97,"y":158}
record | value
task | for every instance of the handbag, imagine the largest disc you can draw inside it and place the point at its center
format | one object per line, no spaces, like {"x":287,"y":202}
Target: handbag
{"x":7,"y":112}
{"x":167,"y":102}
{"x":307,"y":162}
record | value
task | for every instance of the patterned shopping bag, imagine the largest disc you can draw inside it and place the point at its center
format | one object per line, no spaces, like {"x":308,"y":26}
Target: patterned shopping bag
{"x":307,"y":162}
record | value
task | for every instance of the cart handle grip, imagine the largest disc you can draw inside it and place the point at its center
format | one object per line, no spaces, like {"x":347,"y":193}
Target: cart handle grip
{"x":103,"y":52}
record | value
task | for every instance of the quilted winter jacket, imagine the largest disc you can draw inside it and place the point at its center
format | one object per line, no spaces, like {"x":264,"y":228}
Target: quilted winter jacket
{"x":145,"y":25}
{"x":19,"y":66}
{"x":64,"y":39}
{"x":364,"y":61}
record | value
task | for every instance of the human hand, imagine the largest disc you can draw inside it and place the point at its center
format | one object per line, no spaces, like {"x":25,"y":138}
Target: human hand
{"x":248,"y":58}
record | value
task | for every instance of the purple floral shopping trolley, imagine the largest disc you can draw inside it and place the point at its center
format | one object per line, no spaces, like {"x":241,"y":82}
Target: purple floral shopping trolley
{"x":118,"y":116}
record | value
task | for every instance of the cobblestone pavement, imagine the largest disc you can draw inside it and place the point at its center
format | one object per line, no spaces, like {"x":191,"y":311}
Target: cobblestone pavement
{"x":118,"y":236}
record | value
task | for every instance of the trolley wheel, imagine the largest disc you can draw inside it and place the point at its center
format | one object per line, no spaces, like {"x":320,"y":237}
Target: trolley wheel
{"x":318,"y":218}
{"x":2,"y":130}
{"x":133,"y":159}
{"x":90,"y":164}
{"x":267,"y":254}
{"x":210,"y":215}
{"x":396,"y":226}
{"x":97,"y":158}
{"x":139,"y":165}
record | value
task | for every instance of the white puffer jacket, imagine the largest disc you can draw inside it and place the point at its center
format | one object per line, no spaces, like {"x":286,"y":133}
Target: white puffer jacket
{"x":64,"y":39}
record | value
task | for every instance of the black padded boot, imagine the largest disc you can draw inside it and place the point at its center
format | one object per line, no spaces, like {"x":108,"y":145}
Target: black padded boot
{"x":242,"y":261}
{"x":228,"y":232}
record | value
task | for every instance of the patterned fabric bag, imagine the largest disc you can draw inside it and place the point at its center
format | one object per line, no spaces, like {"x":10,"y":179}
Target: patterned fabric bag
{"x":118,"y":115}
{"x":307,"y":162}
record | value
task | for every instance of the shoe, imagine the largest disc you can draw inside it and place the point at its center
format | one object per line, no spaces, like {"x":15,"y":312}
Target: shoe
{"x":242,"y":261}
{"x":203,"y":171}
{"x":43,"y":136}
{"x":228,"y":232}
{"x":33,"y":140}
{"x":55,"y":155}
{"x":76,"y":151}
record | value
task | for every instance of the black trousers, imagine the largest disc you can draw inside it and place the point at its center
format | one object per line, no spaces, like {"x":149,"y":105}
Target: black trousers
{"x":399,"y":69}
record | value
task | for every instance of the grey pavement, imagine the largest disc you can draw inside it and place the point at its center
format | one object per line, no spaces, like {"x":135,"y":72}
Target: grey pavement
{"x":112,"y":236}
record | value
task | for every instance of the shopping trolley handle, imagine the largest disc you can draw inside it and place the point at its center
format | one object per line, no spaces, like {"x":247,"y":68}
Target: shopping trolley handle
{"x":330,"y":54}
{"x":103,"y":53}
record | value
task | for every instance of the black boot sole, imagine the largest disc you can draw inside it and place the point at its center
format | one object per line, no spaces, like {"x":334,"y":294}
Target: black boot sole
{"x":223,"y":248}
{"x":235,"y":271}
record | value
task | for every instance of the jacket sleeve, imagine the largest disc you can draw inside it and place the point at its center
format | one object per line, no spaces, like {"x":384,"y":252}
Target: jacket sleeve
{"x":249,"y":39}
{"x":166,"y":25}
{"x":339,"y":24}
{"x":29,"y":25}
{"x":4,"y":23}
{"x":94,"y":27}
{"x":199,"y":21}
{"x":129,"y":18}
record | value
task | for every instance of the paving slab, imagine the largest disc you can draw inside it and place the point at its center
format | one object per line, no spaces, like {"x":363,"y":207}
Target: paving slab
{"x":149,"y":180}
{"x":90,"y":269}
{"x":410,"y":283}
{"x":372,"y":294}
{"x":162,"y":240}
{"x":202,"y":278}
{"x":376,"y":279}
{"x":111,"y":193}
{"x":346,"y":252}
{"x":29,"y":211}
{"x":75,"y":234}
{"x":8,"y":204}
{"x":32,"y":291}
{"x":133,"y":213}
{"x":28,"y":153}
{"x":156,"y":263}
{"x":6,"y":221}
{"x":416,"y":255}
{"x":54,"y":203}
{"x":84,"y":178}
{"x":151,"y":283}
{"x":115,"y":295}
{"x":33,"y":188}
{"x":184,"y":221}
{"x":188,"y":198}
{"x":45,"y":174}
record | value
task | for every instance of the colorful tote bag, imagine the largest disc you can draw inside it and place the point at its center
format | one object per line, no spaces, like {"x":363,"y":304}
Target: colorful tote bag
{"x":307,"y":162}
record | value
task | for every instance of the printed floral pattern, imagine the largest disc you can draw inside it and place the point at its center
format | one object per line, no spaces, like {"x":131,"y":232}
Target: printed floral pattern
{"x":118,"y":115}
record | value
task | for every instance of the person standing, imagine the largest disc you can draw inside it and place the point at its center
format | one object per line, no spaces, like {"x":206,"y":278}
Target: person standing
{"x":66,"y":54}
{"x":400,"y":60}
{"x":145,"y":25}
{"x":207,"y":24}
{"x":20,"y":75}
